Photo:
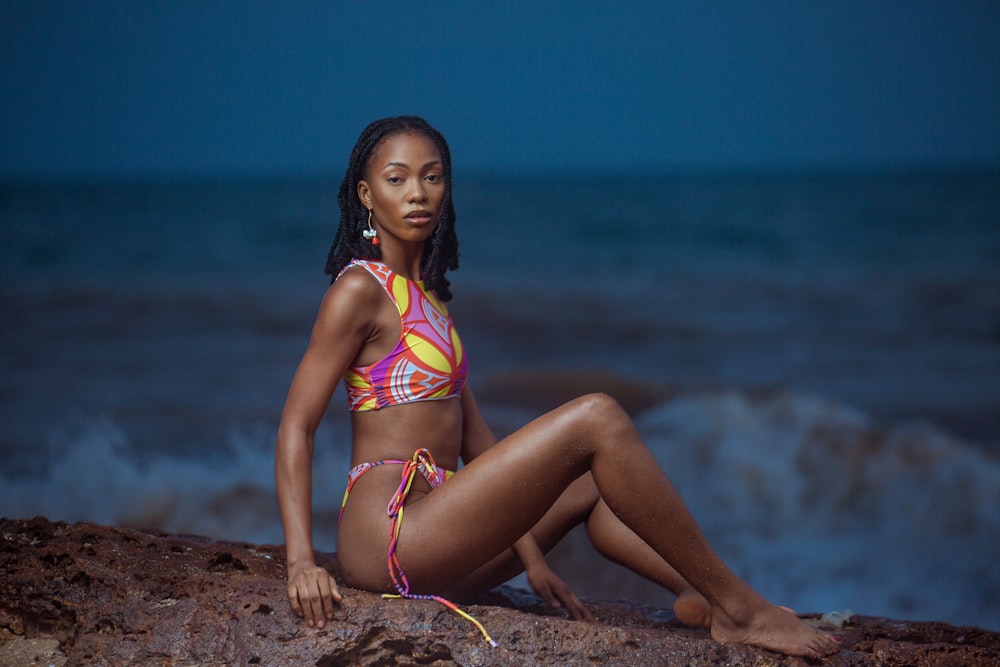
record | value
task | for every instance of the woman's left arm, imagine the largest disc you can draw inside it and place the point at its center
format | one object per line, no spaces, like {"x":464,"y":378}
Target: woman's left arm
{"x":477,"y":437}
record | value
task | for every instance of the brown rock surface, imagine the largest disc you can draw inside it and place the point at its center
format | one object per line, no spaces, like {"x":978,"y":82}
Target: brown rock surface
{"x":113,"y":596}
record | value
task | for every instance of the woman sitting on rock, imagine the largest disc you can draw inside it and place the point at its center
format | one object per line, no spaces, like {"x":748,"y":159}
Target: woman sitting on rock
{"x":449,"y":532}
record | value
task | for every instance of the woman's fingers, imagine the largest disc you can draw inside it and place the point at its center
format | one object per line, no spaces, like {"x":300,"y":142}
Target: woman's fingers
{"x":313,"y":594}
{"x":580,"y":612}
{"x":557,"y":593}
{"x":334,"y":591}
{"x":573,"y":604}
{"x":293,"y":598}
{"x":328,"y":596}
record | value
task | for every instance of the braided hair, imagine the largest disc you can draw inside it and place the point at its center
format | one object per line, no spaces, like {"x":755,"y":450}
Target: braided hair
{"x":440,"y":254}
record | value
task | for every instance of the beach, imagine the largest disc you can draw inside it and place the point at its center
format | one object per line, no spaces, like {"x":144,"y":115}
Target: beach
{"x":813,"y":358}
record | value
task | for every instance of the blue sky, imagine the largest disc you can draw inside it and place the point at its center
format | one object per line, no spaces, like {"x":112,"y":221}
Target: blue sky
{"x":207,"y":87}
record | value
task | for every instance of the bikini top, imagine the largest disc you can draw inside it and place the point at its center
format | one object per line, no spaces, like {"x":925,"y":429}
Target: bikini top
{"x":428,"y":361}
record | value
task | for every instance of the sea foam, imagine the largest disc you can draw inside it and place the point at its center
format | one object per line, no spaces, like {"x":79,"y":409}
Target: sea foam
{"x":822,"y":509}
{"x":816,"y":505}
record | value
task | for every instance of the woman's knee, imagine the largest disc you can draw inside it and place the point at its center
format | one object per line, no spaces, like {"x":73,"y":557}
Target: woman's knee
{"x":601,"y":415}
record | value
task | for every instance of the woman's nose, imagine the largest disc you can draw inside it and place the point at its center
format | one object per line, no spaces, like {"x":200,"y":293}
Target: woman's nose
{"x":417,"y":192}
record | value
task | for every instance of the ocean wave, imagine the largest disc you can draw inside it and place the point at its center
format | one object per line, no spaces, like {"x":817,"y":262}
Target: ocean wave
{"x":822,"y":508}
{"x":813,"y":502}
{"x":227,"y":495}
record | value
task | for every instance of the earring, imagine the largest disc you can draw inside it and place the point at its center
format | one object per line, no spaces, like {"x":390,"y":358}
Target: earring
{"x":370,"y":234}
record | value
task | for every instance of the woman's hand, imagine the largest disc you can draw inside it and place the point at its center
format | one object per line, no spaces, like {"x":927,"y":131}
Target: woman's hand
{"x":312,"y":593}
{"x":545,"y":582}
{"x":555,"y":591}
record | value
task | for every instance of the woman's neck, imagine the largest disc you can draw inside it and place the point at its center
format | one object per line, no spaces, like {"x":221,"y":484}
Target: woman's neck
{"x":406,"y":263}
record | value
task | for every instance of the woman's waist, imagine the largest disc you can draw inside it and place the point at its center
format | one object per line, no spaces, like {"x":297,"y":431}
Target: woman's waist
{"x":395,"y":458}
{"x":371,"y":442}
{"x":421,"y":464}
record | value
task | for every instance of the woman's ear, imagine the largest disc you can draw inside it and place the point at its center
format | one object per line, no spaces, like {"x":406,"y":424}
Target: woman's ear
{"x":365,"y":194}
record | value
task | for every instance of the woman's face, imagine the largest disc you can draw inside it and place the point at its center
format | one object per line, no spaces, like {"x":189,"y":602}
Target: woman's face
{"x":404,"y":187}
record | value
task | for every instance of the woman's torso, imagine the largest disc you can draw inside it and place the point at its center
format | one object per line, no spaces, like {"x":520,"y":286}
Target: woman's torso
{"x":393,"y":432}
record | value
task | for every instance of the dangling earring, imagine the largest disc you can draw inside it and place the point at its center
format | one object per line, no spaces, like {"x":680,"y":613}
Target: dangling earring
{"x":370,"y":234}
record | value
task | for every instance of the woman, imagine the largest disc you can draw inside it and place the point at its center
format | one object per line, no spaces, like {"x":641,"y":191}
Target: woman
{"x":383,"y":327}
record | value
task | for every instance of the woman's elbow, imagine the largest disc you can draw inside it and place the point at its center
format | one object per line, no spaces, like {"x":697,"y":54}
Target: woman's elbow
{"x":293,"y":438}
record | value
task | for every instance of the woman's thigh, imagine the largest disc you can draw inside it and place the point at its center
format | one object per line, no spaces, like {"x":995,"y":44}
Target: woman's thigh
{"x":570,"y":509}
{"x":507,"y":491}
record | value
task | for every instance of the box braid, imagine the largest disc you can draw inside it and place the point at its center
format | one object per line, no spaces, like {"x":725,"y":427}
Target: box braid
{"x":440,"y":253}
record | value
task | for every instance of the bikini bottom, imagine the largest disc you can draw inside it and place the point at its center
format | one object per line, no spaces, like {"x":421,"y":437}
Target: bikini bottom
{"x":423,"y":463}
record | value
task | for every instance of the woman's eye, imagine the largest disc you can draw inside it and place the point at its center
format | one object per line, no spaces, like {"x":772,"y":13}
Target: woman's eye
{"x":434,"y":178}
{"x":395,"y":180}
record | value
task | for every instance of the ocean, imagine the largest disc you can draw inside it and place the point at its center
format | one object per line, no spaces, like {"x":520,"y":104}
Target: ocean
{"x":814,"y":358}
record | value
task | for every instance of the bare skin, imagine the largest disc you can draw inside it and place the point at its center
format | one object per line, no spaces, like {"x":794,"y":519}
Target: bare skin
{"x":514,"y":499}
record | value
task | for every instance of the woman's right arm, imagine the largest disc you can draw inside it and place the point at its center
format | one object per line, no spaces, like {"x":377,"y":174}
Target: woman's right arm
{"x":344,"y":324}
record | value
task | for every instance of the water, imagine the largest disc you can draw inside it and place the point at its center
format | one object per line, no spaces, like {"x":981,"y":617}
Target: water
{"x":815,"y":359}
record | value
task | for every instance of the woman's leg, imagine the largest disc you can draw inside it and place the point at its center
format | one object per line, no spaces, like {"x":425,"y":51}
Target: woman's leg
{"x":582,"y":503}
{"x":570,"y":510}
{"x":506,"y":491}
{"x":616,"y":541}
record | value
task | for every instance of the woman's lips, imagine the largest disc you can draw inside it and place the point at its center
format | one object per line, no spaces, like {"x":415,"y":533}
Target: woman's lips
{"x":418,"y":217}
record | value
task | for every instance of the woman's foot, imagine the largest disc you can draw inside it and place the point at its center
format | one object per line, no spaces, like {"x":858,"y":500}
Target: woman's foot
{"x":772,"y":628}
{"x":691,"y":608}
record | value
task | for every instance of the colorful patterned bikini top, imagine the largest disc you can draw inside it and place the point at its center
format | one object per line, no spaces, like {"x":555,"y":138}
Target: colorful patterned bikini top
{"x":427,"y":363}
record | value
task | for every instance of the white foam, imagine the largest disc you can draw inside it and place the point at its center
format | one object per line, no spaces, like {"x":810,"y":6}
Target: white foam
{"x":815,"y":505}
{"x":228,"y":496}
{"x":821,"y":509}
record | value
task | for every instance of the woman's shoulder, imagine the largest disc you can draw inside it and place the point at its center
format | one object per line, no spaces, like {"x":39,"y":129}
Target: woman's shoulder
{"x":354,"y":293}
{"x":356,"y":281}
{"x":372,"y":266}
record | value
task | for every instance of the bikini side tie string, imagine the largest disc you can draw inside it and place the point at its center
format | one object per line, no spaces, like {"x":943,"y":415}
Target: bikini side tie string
{"x":356,"y":474}
{"x":422,"y":461}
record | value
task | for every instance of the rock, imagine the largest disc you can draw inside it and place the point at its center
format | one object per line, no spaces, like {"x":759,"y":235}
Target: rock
{"x":115,"y":596}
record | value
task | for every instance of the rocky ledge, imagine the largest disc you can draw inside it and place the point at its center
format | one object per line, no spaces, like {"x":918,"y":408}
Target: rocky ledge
{"x":85,"y":594}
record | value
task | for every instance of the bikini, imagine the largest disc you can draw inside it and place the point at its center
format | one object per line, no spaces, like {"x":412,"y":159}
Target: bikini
{"x":427,"y":363}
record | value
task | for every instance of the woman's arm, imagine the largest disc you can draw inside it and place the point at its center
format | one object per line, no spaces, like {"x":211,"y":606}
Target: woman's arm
{"x":477,"y":437}
{"x":345,"y":322}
